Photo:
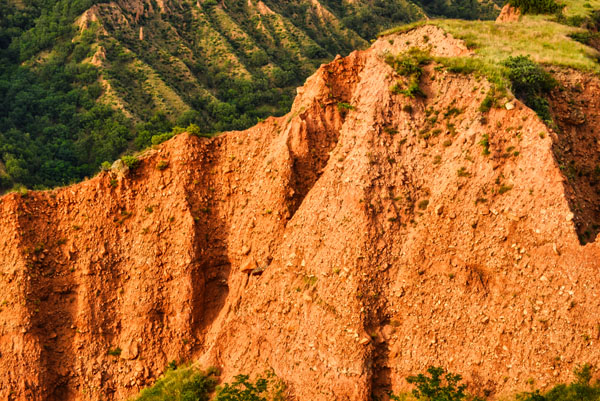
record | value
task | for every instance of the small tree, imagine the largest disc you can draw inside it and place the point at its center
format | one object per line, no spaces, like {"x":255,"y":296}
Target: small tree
{"x":265,"y":388}
{"x":439,"y":386}
{"x":131,"y":161}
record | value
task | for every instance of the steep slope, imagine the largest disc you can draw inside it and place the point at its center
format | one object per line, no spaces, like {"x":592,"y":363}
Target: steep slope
{"x":195,"y":55}
{"x":354,"y":241}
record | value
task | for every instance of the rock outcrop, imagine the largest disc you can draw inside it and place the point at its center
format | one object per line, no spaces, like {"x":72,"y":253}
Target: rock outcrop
{"x":508,"y":14}
{"x":359,"y":239}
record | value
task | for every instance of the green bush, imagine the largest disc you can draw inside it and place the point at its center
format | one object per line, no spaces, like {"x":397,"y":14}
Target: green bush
{"x":193,"y":129}
{"x":158,"y":125}
{"x":345,"y":106}
{"x":5,"y":181}
{"x":536,"y":6}
{"x":267,"y":388}
{"x":527,"y":77}
{"x":158,"y":139}
{"x":579,"y":390}
{"x":131,"y":161}
{"x":409,"y":64}
{"x":190,"y":384}
{"x":487,"y":102}
{"x":585,"y":37}
{"x":183,"y":384}
{"x":529,"y":83}
{"x":438,"y":386}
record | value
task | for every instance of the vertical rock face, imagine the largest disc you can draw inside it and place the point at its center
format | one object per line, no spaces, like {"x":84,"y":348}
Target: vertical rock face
{"x":359,"y":239}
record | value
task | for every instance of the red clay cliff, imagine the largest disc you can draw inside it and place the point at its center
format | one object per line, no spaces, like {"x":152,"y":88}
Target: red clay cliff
{"x":357,"y":240}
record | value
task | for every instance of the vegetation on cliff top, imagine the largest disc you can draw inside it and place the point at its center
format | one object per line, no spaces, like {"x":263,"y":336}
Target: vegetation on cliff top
{"x":545,"y":41}
{"x":509,"y":54}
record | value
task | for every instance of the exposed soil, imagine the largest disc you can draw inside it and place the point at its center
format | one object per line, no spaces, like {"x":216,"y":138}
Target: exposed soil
{"x":509,"y":14}
{"x":343,"y":247}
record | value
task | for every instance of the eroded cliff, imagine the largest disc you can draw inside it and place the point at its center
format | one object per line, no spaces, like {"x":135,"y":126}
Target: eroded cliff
{"x":359,"y":239}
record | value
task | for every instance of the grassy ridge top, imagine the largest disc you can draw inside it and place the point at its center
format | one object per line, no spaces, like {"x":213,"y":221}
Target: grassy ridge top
{"x":511,"y":55}
{"x":545,"y":41}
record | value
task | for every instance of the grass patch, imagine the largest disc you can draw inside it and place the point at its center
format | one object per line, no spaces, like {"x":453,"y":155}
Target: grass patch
{"x":345,"y":106}
{"x":545,"y":41}
{"x":114,"y":351}
{"x":485,"y":143}
{"x":508,"y":55}
{"x":181,"y":384}
{"x":410,"y":65}
{"x":403,"y":28}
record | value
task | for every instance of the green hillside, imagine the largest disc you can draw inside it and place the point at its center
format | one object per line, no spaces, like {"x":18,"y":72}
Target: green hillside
{"x":83,"y":81}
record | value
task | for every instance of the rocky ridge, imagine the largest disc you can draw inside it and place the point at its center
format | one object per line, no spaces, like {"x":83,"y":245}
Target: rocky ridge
{"x":359,"y":239}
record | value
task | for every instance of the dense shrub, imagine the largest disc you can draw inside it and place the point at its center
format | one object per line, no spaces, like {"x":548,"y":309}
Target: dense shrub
{"x":181,"y":384}
{"x":131,"y":161}
{"x":56,"y":127}
{"x":265,"y":388}
{"x":580,"y":390}
{"x":52,"y":131}
{"x":530,"y":82}
{"x":191,"y":384}
{"x":461,"y":9}
{"x":158,"y":139}
{"x":438,"y":386}
{"x":585,"y":37}
{"x":159,"y":124}
{"x":536,"y":6}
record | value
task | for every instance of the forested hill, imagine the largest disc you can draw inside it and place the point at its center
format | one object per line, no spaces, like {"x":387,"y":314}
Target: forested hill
{"x":83,"y":81}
